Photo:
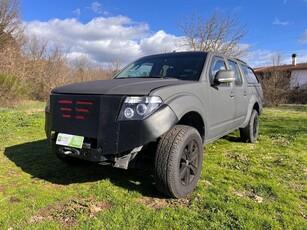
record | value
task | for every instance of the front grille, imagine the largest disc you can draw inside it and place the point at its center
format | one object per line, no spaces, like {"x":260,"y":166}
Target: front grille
{"x":75,"y":109}
{"x":76,"y":114}
{"x":90,"y":116}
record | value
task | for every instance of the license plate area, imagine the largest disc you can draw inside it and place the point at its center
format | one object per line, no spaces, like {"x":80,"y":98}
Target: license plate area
{"x":69,"y":140}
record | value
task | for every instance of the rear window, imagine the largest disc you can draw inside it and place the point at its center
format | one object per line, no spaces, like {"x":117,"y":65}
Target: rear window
{"x":249,"y":74}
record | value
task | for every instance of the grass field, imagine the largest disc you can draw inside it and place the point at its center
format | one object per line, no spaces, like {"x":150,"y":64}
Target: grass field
{"x":242,"y":186}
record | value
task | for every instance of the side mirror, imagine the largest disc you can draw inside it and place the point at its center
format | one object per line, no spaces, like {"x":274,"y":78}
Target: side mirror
{"x":225,"y":76}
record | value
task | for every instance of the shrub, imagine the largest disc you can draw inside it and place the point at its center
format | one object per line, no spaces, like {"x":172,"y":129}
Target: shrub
{"x":11,"y":89}
{"x":298,"y":96}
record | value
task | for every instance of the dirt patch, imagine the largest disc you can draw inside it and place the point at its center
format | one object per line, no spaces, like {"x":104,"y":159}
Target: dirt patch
{"x":14,"y":200}
{"x":237,"y":162}
{"x":240,"y":193}
{"x":34,"y":110}
{"x":99,"y":206}
{"x":249,"y":195}
{"x":238,"y":157}
{"x":206,"y":182}
{"x":66,"y":212}
{"x":13,"y":174}
{"x":2,"y":188}
{"x":159,"y":203}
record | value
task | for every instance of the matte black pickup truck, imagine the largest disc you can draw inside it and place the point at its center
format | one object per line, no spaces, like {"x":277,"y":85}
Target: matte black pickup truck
{"x":169,"y":105}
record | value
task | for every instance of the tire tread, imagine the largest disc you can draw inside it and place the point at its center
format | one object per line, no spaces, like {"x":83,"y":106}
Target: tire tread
{"x":165,"y":159}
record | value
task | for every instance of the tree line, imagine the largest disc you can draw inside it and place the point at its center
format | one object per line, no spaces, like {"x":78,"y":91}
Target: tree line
{"x":30,"y":68}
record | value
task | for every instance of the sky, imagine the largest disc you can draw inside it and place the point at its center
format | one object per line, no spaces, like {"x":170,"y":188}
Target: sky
{"x":106,"y":30}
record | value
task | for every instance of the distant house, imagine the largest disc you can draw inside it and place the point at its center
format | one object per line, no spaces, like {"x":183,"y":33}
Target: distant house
{"x":296,"y":73}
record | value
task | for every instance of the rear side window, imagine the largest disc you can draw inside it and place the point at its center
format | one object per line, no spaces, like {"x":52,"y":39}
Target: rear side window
{"x":234,"y":66}
{"x":249,"y":74}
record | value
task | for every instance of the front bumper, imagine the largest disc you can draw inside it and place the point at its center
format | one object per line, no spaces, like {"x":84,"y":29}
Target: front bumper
{"x":105,"y":137}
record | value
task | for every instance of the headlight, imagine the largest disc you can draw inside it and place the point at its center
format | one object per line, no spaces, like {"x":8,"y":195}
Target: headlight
{"x":138,"y":108}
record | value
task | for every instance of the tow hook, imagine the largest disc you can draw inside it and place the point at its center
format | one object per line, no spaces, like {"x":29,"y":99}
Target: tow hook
{"x":69,"y":151}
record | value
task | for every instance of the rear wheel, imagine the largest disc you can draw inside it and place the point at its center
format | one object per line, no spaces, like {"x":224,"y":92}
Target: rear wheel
{"x":250,"y":132}
{"x":178,"y":161}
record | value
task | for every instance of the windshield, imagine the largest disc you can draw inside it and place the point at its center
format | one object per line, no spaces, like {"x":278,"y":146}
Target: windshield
{"x":183,"y":66}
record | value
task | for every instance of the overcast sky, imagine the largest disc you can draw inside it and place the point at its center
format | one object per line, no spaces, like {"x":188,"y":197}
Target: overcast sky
{"x":107,"y":30}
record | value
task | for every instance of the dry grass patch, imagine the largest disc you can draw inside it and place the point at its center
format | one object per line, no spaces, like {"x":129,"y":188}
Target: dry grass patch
{"x":66,"y":212}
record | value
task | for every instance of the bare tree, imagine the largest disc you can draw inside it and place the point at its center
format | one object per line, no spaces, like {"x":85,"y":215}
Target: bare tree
{"x":35,"y":49}
{"x":10,"y":34}
{"x":81,"y":67}
{"x":46,"y":68}
{"x":35,"y":65}
{"x":114,"y":67}
{"x":275,"y":81}
{"x":220,"y":33}
{"x":10,"y":22}
{"x":56,"y":68}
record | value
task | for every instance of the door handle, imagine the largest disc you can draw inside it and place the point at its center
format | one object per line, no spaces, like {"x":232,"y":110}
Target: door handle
{"x":232,"y":94}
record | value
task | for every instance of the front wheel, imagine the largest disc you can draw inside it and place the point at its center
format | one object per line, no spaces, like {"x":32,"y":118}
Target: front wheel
{"x":250,"y":132}
{"x":178,"y":161}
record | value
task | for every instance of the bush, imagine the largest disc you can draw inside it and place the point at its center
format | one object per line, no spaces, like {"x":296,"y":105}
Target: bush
{"x":11,"y":89}
{"x":298,"y":96}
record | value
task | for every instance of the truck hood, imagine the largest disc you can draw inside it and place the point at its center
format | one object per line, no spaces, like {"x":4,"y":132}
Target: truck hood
{"x":131,"y":86}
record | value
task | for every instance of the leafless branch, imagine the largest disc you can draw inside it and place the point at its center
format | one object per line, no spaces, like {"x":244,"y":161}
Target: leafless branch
{"x":276,"y":82}
{"x":220,"y":33}
{"x":10,"y":22}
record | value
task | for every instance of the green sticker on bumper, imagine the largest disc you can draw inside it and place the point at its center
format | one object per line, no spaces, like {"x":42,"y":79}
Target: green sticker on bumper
{"x":70,"y":140}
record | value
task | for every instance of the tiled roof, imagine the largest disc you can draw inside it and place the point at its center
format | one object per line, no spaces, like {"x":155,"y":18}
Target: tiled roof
{"x":299,"y":66}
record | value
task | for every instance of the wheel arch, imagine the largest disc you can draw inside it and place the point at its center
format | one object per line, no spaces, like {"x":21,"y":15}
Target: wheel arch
{"x":253,"y":105}
{"x":194,"y":119}
{"x":256,"y":107}
{"x":190,"y":111}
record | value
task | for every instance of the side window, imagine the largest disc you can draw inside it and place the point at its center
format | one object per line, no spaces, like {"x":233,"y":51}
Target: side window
{"x":218,"y":63}
{"x":234,"y":66}
{"x":249,"y":74}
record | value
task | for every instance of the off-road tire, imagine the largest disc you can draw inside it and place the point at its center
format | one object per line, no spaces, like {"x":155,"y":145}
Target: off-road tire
{"x":178,"y":161}
{"x":250,"y":132}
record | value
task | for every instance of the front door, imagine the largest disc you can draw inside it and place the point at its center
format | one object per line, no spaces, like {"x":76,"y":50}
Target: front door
{"x":222,"y":104}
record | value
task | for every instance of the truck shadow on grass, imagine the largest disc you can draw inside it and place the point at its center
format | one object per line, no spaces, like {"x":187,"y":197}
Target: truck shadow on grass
{"x":36,"y":159}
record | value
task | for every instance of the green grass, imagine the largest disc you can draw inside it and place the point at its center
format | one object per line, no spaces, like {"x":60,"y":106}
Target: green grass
{"x":242,"y":186}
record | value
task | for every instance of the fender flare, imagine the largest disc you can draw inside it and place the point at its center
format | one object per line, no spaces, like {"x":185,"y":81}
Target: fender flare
{"x":251,"y":105}
{"x":185,"y":103}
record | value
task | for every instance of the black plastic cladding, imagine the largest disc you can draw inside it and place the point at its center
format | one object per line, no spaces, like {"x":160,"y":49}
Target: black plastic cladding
{"x":100,"y":122}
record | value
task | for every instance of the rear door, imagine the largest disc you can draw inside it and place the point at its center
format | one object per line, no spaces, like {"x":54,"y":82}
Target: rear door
{"x":253,"y":87}
{"x":222,"y":104}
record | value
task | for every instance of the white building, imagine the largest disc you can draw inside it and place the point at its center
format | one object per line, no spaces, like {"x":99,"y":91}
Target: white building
{"x":297,"y":72}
